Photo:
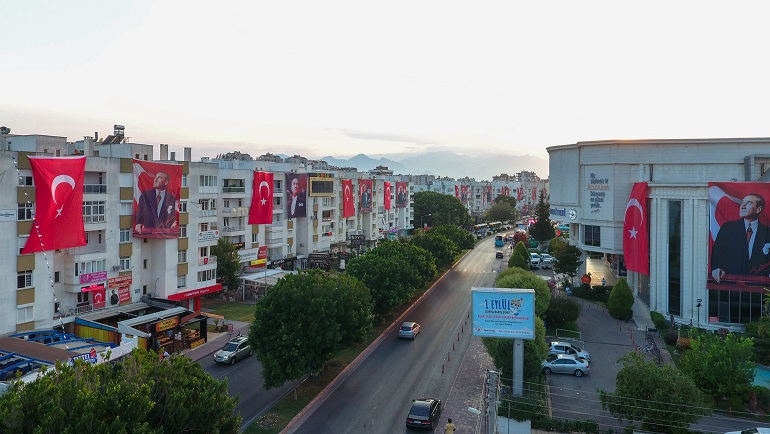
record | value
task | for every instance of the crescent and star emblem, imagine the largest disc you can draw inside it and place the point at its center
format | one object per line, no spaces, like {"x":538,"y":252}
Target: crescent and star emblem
{"x":61,"y":179}
{"x":266,"y":185}
{"x":347,"y":192}
{"x":635,"y":204}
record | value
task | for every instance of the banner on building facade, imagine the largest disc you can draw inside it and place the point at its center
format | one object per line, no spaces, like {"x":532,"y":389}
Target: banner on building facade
{"x":156,"y":199}
{"x":386,"y":189}
{"x":636,"y":240}
{"x":402,"y":196}
{"x":348,"y":207}
{"x":364,"y":195}
{"x":296,"y":195}
{"x":261,"y":211}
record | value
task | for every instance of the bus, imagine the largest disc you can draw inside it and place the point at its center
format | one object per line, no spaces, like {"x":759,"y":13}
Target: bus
{"x":499,"y":240}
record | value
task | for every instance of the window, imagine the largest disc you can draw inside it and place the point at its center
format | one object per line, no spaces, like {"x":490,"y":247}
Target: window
{"x":592,"y":236}
{"x":25,"y":180}
{"x":182,"y":256}
{"x":675,"y":257}
{"x":56,"y":276}
{"x":24,"y":279}
{"x":125,"y":235}
{"x":125,"y":263}
{"x":90,"y":267}
{"x":203,"y":252}
{"x":25,"y":212}
{"x":144,"y":263}
{"x":126,"y":208}
{"x":254,"y":238}
{"x":93,"y":211}
{"x":183,"y":206}
{"x":208,"y":180}
{"x":22,"y":242}
{"x":24,"y":314}
{"x":181,"y":281}
{"x":203,"y":227}
{"x":84,"y":299}
{"x":204,"y":276}
{"x":184,"y":180}
{"x":183,"y":231}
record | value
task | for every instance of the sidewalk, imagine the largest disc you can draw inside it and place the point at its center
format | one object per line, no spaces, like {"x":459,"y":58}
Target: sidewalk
{"x":215,"y":341}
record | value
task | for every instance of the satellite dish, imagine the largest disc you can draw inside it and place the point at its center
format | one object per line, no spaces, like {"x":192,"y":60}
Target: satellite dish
{"x":5,"y":130}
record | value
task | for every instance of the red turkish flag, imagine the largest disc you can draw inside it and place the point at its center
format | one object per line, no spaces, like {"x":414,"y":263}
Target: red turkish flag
{"x":58,"y":204}
{"x":636,"y":240}
{"x":457,"y":191}
{"x":261,"y":212}
{"x":386,"y":188}
{"x":348,"y":207}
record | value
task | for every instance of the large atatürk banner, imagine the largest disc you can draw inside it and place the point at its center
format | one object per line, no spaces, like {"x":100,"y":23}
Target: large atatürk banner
{"x":402,"y":196}
{"x":739,"y":245}
{"x":296,"y":195}
{"x":156,"y":199}
{"x":364,"y":195}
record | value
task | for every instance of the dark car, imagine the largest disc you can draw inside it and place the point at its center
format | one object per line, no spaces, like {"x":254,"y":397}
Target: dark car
{"x":499,"y":254}
{"x":424,"y":413}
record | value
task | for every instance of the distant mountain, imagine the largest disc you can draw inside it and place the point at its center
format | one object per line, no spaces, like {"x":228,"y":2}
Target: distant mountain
{"x":482,"y":167}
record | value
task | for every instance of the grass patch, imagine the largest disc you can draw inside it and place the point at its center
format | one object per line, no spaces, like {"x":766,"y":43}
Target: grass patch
{"x":231,"y":310}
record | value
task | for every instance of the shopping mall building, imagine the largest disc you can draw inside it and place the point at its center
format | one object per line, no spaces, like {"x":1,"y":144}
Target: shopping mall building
{"x":590,"y":185}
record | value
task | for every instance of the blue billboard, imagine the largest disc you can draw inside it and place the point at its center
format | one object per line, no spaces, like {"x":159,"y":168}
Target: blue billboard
{"x":503,"y":312}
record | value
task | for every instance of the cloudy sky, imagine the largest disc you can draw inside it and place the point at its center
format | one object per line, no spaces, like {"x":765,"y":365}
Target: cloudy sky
{"x":384,"y":78}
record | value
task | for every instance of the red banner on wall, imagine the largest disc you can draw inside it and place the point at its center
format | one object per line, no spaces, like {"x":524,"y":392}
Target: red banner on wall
{"x":348,"y":207}
{"x":636,"y":241}
{"x":261,"y":199}
{"x":386,"y":189}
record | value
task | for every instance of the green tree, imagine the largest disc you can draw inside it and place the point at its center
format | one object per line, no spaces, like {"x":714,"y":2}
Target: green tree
{"x":442,"y":208}
{"x":567,"y":261}
{"x":621,"y":300}
{"x":522,"y":251}
{"x":508,"y":200}
{"x":517,"y":262}
{"x":542,"y":230}
{"x":414,"y":256}
{"x":501,"y":212}
{"x":722,"y":368}
{"x":228,"y":263}
{"x":535,"y":351}
{"x":138,"y":394}
{"x":442,"y":248}
{"x":561,"y":311}
{"x":391,"y":281}
{"x":461,"y":237}
{"x":528,"y":280}
{"x":663,"y":399}
{"x":304,"y":320}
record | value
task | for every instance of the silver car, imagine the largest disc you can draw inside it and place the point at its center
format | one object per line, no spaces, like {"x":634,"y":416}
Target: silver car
{"x":568,"y":348}
{"x":234,"y":350}
{"x":565,"y":364}
{"x":409,"y":330}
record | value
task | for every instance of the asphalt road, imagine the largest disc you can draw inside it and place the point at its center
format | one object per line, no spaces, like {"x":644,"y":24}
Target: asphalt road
{"x":376,"y":395}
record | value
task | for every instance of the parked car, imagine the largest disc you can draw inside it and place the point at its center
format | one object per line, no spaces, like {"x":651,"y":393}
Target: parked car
{"x":424,"y":413}
{"x":409,"y":330}
{"x":568,"y":348}
{"x":565,"y":364}
{"x":759,"y":430}
{"x":499,"y":254}
{"x":534,"y":260}
{"x":547,"y":260}
{"x":235,"y":349}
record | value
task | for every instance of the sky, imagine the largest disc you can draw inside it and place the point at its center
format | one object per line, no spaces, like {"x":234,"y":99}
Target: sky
{"x":392,"y":79}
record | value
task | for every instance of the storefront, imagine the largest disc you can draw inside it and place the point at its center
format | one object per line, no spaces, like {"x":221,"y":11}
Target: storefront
{"x":192,"y":299}
{"x":171,"y":330}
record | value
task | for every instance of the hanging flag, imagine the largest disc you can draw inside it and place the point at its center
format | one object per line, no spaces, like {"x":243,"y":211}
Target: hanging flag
{"x":636,"y":241}
{"x":58,"y":204}
{"x":401,"y":195}
{"x":364,"y":195}
{"x":386,"y":188}
{"x":348,"y":207}
{"x":457,"y":191}
{"x":261,"y":212}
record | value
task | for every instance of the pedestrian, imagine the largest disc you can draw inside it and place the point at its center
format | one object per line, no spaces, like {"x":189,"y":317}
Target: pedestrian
{"x":604,"y":281}
{"x":450,"y":427}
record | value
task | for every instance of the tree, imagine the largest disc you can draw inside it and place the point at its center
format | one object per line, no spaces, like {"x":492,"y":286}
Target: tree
{"x":442,"y":248}
{"x":521,"y":236}
{"x":722,"y":368}
{"x":508,"y":200}
{"x":304,"y":320}
{"x":522,"y":252}
{"x":501,"y":212}
{"x":535,"y":351}
{"x":443,"y":209}
{"x":228,"y":263}
{"x":621,"y":300}
{"x":138,"y":394}
{"x":542,"y":230}
{"x":664,"y":399}
{"x":567,"y":261}
{"x":391,"y":281}
{"x":561,"y":311}
{"x":461,"y":237}
{"x":531,"y":281}
{"x":415,"y":257}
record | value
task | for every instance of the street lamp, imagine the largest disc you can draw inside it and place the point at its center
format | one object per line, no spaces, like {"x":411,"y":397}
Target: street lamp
{"x":422,"y":217}
{"x":698,"y":306}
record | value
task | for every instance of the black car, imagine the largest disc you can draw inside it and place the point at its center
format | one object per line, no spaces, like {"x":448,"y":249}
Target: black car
{"x":424,"y":413}
{"x":499,"y":254}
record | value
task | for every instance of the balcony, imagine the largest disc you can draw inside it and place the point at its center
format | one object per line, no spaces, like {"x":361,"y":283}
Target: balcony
{"x":230,"y":189}
{"x":211,"y":260}
{"x":229,"y":229}
{"x":94,"y":188}
{"x":207,"y":213}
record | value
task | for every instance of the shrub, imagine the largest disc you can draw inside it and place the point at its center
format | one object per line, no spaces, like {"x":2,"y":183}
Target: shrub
{"x":683,"y":344}
{"x":670,"y":338}
{"x":517,"y":262}
{"x":562,"y":310}
{"x":621,"y":300}
{"x":659,"y":320}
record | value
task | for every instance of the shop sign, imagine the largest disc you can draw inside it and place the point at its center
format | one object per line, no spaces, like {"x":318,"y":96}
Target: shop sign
{"x":94,"y":287}
{"x":93,"y":277}
{"x":166,"y":324}
{"x":117,"y":282}
{"x":559,"y":212}
{"x":357,"y":240}
{"x":208,"y":236}
{"x":7,"y":215}
{"x":195,"y":293}
{"x":247,"y":255}
{"x":124,"y":294}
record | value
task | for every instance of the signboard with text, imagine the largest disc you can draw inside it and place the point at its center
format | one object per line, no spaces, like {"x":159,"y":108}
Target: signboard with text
{"x":503,"y":312}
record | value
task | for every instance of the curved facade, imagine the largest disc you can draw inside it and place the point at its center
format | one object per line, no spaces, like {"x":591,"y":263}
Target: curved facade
{"x":590,"y":185}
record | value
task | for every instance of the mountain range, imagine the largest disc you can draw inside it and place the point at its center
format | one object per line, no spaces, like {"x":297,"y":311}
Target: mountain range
{"x":482,"y":167}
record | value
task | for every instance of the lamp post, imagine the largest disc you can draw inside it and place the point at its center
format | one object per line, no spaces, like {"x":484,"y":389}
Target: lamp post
{"x":421,"y":218}
{"x":698,"y":306}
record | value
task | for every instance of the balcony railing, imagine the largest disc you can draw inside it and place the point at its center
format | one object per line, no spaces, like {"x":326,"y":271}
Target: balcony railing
{"x":233,"y":228}
{"x":94,"y":188}
{"x":207,"y":213}
{"x":96,"y":218}
{"x":207,"y":261}
{"x":227,"y":189}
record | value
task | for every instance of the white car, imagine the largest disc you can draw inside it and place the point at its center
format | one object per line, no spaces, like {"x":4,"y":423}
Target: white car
{"x":534,"y":260}
{"x":568,"y":348}
{"x":759,"y":430}
{"x":547,"y":260}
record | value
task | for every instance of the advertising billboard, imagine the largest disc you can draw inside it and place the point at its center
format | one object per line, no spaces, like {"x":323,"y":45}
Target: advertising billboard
{"x":503,"y":312}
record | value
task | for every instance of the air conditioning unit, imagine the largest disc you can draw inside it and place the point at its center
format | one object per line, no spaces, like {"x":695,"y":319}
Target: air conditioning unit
{"x":116,"y":268}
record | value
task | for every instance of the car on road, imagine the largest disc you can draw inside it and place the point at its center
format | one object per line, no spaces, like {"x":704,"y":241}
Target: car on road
{"x":534,"y":260}
{"x":565,"y":364}
{"x":235,"y":349}
{"x":499,"y":254}
{"x":424,"y":413}
{"x":556,"y":347}
{"x":409,"y":330}
{"x":759,"y":430}
{"x":547,"y":260}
